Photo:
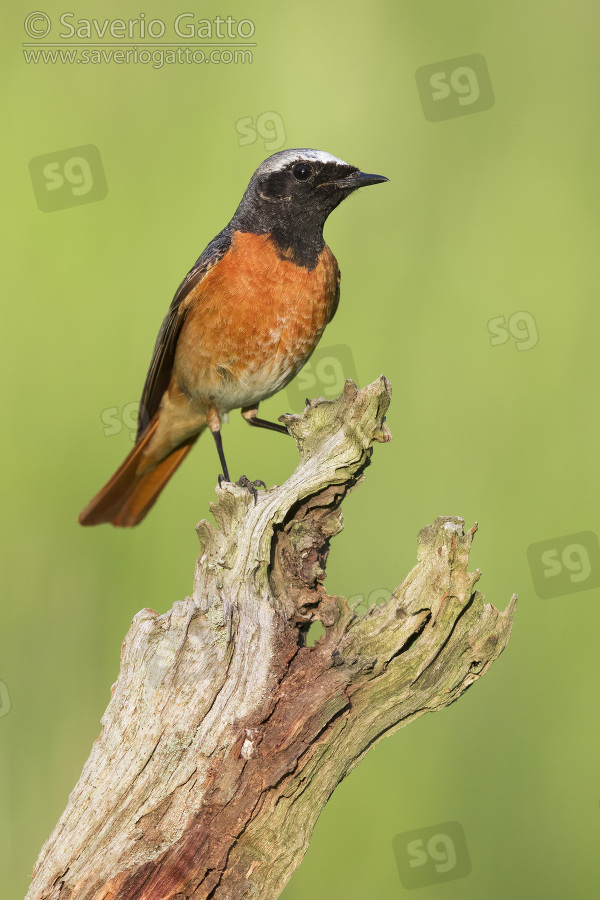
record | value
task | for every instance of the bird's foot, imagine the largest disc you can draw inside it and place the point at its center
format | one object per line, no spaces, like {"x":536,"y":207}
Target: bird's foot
{"x":251,"y":486}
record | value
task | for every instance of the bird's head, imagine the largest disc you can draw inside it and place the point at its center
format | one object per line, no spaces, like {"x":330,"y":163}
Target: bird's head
{"x":299,"y":188}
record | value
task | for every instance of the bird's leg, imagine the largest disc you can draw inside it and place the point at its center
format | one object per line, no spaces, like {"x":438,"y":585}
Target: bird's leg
{"x":250,"y":413}
{"x":219,"y":443}
{"x":213,"y":420}
{"x":214,"y":423}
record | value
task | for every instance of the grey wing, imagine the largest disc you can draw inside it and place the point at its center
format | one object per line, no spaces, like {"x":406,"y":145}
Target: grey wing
{"x":163,"y":356}
{"x":336,"y":298}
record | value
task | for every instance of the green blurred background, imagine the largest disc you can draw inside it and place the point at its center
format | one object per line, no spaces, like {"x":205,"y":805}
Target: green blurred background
{"x":485,"y":215}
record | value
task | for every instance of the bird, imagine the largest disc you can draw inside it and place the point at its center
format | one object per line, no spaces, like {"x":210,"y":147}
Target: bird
{"x":243,"y":322}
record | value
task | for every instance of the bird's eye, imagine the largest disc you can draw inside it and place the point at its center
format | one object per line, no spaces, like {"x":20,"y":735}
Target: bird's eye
{"x":301,"y":172}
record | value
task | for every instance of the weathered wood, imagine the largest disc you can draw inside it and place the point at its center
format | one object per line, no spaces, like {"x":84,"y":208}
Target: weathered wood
{"x":226,"y":734}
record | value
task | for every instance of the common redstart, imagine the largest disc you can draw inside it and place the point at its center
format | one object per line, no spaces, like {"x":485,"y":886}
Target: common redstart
{"x":243,"y":322}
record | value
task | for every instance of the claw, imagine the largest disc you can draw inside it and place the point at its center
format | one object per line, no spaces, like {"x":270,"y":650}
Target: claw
{"x":251,"y":485}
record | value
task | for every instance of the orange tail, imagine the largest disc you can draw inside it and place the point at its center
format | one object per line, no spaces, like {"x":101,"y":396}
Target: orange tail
{"x":127,"y":497}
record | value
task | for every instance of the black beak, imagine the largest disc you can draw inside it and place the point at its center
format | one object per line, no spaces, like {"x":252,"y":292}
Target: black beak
{"x":360,"y":179}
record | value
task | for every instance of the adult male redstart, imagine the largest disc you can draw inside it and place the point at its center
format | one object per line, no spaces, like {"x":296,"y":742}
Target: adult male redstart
{"x":243,"y":322}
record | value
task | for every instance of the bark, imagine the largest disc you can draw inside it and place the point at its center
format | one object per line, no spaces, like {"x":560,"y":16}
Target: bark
{"x":225,"y":734}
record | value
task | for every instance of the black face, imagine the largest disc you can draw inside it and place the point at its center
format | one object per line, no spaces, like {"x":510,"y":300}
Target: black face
{"x":308,"y":186}
{"x":290,"y":197}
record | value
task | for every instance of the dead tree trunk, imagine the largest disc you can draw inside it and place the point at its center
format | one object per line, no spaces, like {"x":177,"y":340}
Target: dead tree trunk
{"x":225,"y":734}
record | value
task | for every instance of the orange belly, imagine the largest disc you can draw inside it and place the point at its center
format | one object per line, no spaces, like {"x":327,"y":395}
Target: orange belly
{"x":253,"y":322}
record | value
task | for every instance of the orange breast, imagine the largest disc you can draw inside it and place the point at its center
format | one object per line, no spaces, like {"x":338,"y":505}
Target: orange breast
{"x":253,"y":322}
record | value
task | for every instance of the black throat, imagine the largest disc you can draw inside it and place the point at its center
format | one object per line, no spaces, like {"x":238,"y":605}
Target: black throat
{"x":298,"y":238}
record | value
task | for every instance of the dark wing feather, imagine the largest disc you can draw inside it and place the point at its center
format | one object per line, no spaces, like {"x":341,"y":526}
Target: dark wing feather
{"x":161,"y":365}
{"x":336,"y":297}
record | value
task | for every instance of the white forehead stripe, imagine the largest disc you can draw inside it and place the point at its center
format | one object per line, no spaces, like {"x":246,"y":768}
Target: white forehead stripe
{"x":280,"y":160}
